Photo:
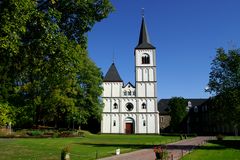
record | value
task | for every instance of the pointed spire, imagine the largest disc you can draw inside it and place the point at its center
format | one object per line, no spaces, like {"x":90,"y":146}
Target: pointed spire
{"x":144,"y":42}
{"x":112,"y":75}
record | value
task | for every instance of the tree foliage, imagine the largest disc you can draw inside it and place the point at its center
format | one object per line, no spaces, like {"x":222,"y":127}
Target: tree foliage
{"x":7,"y":114}
{"x":177,"y":112}
{"x":224,"y":82}
{"x":225,"y":71}
{"x":45,"y":70}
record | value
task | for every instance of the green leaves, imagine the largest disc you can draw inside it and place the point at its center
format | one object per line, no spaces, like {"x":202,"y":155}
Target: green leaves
{"x":177,"y":112}
{"x":6,"y":114}
{"x":225,"y":71}
{"x":45,"y":69}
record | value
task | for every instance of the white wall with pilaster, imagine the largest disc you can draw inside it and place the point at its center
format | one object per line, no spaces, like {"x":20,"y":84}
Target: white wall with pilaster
{"x":142,"y":128}
{"x":115,"y":127}
{"x":151,"y":123}
{"x":105,"y":123}
{"x":150,"y":89}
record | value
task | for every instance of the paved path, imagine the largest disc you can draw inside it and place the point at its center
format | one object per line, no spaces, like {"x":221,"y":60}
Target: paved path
{"x":176,"y":150}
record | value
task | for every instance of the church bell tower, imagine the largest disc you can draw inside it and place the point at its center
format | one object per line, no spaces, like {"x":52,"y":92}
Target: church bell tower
{"x":145,"y":76}
{"x":145,"y":65}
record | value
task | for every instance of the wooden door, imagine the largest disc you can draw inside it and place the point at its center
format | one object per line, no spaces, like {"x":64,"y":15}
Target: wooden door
{"x":129,"y":128}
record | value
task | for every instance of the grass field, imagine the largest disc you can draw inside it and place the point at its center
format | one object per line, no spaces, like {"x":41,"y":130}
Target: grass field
{"x":85,"y":148}
{"x":228,"y":149}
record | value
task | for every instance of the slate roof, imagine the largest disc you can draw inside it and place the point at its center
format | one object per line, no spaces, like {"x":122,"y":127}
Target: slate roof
{"x":164,"y":108}
{"x":112,"y":75}
{"x":129,"y":83}
{"x":144,"y":42}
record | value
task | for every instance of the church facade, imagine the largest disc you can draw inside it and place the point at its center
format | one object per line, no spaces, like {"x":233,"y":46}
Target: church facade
{"x":128,"y":108}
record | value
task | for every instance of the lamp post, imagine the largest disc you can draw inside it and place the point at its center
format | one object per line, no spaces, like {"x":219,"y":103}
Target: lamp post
{"x":188,"y":109}
{"x":10,"y":127}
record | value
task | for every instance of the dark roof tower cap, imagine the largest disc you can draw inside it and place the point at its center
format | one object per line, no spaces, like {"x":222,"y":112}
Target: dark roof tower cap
{"x":144,"y":42}
{"x":112,"y":75}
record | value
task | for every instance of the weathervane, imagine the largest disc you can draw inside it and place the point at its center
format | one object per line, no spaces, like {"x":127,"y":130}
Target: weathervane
{"x":142,"y":12}
{"x":113,"y":56}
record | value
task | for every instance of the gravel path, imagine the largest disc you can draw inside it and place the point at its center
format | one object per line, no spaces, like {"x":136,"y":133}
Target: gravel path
{"x":176,"y":150}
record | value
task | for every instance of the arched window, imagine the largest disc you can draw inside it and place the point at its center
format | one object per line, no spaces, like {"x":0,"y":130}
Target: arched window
{"x":125,"y":93}
{"x":114,"y":123}
{"x":195,"y":109}
{"x":145,"y":58}
{"x":129,"y":93}
{"x":129,"y":107}
{"x":144,"y":106}
{"x":144,"y":123}
{"x":115,"y":106}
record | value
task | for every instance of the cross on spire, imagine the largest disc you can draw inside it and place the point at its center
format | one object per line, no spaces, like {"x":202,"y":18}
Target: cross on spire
{"x":142,"y":12}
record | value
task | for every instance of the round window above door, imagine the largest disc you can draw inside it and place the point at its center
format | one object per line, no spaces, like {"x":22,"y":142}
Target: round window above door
{"x":129,"y":106}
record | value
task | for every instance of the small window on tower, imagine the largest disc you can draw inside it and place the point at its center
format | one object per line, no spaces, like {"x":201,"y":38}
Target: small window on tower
{"x":125,"y":93}
{"x":115,"y":106}
{"x":145,"y":58}
{"x":144,"y":106}
{"x":144,"y":123}
{"x":114,"y":123}
{"x":129,"y":93}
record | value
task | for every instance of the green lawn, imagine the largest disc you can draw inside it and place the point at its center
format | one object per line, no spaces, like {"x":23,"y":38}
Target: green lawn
{"x":85,"y":148}
{"x":228,"y":149}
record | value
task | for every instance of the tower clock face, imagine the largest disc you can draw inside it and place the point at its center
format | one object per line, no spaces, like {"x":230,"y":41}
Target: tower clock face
{"x":129,"y":106}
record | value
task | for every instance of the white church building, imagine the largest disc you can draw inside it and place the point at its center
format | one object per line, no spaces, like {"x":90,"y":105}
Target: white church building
{"x":132,"y":108}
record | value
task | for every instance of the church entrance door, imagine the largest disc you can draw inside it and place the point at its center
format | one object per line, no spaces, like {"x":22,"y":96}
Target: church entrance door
{"x":129,"y":128}
{"x":129,"y":125}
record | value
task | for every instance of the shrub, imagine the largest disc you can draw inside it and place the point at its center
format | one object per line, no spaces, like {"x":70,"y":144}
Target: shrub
{"x":220,"y":137}
{"x":35,"y":133}
{"x":55,"y":135}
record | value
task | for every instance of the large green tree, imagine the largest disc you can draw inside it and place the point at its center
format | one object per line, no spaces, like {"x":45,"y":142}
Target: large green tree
{"x":178,"y":112}
{"x":45,"y":69}
{"x":224,"y":83}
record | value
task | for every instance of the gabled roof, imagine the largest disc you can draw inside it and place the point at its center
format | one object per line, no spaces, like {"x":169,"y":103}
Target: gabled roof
{"x":144,"y":42}
{"x":129,"y":83}
{"x":164,"y":108}
{"x":112,"y":75}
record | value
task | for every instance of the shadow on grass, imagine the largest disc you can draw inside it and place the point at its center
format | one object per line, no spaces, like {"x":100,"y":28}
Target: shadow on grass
{"x":235,"y":144}
{"x":220,"y":145}
{"x":133,"y":146}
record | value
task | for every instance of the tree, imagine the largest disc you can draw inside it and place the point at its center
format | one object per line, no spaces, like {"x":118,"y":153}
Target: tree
{"x":224,"y":83}
{"x":177,"y":112}
{"x":46,"y":72}
{"x":225,"y":71}
{"x":6,"y":114}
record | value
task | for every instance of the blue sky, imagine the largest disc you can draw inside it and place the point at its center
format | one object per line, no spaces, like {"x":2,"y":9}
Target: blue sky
{"x":186,"y":34}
